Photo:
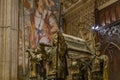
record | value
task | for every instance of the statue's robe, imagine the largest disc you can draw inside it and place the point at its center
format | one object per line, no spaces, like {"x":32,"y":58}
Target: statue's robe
{"x":99,"y":68}
{"x":58,"y":60}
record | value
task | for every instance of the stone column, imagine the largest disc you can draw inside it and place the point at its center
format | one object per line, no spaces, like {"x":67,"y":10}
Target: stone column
{"x":8,"y":39}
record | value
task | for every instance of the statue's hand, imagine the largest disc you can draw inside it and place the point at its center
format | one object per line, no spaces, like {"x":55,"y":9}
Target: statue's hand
{"x":39,"y":56}
{"x":28,"y":50}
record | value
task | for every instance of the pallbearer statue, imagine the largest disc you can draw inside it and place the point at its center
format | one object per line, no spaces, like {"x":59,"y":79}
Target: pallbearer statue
{"x":38,"y":58}
{"x":49,"y":62}
{"x":79,"y":70}
{"x":99,"y":65}
{"x":57,"y":69}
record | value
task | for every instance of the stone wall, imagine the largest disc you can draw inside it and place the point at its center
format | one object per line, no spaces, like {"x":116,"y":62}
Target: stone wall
{"x":79,"y":19}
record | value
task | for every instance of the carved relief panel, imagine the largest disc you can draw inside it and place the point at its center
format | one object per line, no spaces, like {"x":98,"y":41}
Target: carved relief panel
{"x":109,"y":14}
{"x":109,"y":36}
{"x":110,"y":39}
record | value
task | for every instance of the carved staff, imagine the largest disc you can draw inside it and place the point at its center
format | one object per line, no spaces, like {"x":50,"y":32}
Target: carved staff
{"x":59,"y":26}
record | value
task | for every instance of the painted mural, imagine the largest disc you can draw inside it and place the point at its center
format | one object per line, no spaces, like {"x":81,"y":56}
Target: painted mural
{"x":41,"y":17}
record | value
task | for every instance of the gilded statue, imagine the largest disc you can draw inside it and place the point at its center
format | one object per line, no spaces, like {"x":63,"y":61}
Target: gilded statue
{"x":79,"y":70}
{"x":38,"y":59}
{"x":45,"y":63}
{"x":58,"y":64}
{"x":99,"y":65}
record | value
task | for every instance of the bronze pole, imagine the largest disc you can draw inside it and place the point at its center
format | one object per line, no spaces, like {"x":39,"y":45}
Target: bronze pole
{"x":58,"y":46}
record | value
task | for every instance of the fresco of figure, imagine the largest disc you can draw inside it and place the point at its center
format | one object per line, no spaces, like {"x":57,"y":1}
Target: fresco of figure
{"x":43,"y":24}
{"x":51,"y":6}
{"x":99,"y":66}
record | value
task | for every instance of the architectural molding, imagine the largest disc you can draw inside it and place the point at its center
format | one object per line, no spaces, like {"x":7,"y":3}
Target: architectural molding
{"x":104,"y":3}
{"x":75,"y":7}
{"x":68,"y":3}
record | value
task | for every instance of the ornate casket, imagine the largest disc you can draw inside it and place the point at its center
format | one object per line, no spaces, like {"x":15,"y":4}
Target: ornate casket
{"x":77,"y":47}
{"x":77,"y":60}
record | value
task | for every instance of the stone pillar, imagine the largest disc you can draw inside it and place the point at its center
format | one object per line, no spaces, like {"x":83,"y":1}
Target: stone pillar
{"x":8,"y":39}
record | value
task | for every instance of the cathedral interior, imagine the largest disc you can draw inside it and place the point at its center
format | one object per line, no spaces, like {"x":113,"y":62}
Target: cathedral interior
{"x":59,"y":39}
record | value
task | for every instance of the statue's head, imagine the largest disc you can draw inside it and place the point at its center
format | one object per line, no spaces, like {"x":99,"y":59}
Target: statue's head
{"x":98,"y":48}
{"x":55,"y":39}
